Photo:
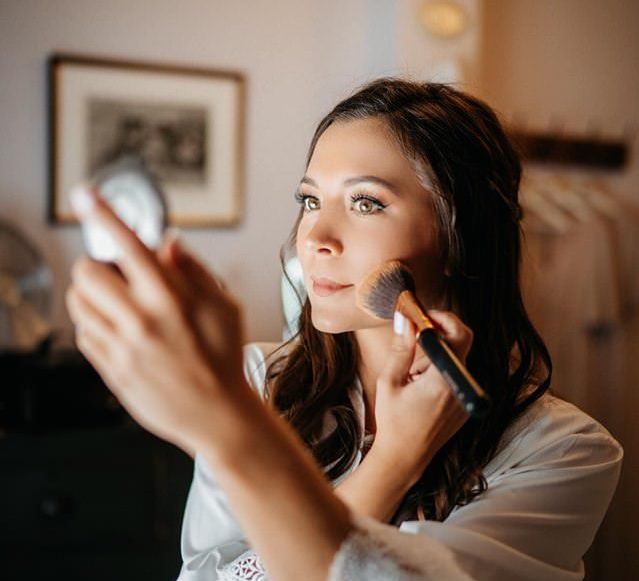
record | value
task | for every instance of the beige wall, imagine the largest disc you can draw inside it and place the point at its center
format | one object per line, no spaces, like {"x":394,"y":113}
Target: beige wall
{"x":570,"y":60}
{"x":298,"y":58}
{"x":572,"y":63}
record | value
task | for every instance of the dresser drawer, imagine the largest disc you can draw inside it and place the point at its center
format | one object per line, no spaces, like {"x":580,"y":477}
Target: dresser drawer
{"x":88,"y":488}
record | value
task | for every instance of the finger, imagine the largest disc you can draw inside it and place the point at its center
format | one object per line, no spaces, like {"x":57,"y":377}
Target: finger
{"x":402,"y":351}
{"x":86,"y":318}
{"x":420,"y":364}
{"x":137,"y":262}
{"x":108,"y":291}
{"x":94,"y":350}
{"x":165,"y":255}
{"x":98,"y":355}
{"x":192,"y":268}
{"x":450,"y":327}
{"x":186,"y":277}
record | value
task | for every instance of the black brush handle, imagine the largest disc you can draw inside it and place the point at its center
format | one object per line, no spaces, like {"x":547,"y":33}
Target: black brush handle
{"x":471,"y":396}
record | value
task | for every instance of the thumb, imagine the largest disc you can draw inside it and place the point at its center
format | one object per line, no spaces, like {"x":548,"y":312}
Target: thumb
{"x":402,"y":352}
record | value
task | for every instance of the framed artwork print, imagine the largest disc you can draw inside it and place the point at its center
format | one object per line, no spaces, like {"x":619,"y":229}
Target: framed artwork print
{"x":186,"y":124}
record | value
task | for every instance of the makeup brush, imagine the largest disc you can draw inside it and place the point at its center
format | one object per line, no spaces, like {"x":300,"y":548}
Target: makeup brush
{"x":391,"y":287}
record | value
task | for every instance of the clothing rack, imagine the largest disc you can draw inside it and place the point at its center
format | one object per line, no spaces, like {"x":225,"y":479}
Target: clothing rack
{"x":558,"y":200}
{"x":556,"y":148}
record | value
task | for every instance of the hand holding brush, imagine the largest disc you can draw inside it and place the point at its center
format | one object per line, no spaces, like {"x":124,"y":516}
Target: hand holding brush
{"x":391,"y":288}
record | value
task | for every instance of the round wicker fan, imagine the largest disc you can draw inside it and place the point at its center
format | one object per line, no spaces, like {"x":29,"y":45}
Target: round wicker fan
{"x":25,"y":293}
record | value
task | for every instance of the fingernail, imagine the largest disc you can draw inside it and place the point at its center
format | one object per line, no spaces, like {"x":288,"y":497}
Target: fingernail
{"x":173,"y":239}
{"x":175,"y":234}
{"x":83,"y":200}
{"x":399,"y":323}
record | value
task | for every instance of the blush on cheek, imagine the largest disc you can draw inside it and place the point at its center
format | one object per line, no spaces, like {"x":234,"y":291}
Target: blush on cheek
{"x":429,"y":278}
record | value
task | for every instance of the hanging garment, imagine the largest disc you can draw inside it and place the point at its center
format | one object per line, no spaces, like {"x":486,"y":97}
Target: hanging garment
{"x":581,"y":289}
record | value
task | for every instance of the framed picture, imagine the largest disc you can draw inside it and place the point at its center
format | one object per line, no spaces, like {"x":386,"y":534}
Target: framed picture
{"x":187,"y":124}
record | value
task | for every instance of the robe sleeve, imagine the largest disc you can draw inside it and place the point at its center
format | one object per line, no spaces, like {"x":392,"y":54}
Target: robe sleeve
{"x":534,"y":522}
{"x":211,"y":538}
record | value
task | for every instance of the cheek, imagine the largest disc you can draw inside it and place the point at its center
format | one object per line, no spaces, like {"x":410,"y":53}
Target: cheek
{"x":418,"y":248}
{"x":300,"y":249}
{"x":427,"y":266}
{"x":422,"y":246}
{"x":414,"y":243}
{"x":299,"y":236}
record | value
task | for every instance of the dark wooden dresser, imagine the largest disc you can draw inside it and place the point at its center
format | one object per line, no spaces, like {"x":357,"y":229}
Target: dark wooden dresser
{"x":84,"y":492}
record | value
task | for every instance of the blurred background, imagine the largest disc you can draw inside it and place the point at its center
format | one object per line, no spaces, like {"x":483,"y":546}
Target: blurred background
{"x":562,"y":75}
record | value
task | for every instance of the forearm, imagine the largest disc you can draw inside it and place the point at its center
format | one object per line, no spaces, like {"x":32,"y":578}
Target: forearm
{"x":278,"y":494}
{"x":378,"y":485}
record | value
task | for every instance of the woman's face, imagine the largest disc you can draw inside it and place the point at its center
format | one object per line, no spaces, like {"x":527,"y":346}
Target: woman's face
{"x":363,"y":204}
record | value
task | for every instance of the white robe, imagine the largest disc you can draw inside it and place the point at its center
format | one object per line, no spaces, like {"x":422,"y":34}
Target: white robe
{"x":549,"y":486}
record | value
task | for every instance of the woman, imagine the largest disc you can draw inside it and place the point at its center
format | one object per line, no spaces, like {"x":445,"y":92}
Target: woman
{"x":416,"y":172}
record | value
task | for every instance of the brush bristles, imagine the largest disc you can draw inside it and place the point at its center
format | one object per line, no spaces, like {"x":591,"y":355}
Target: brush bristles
{"x":378,"y":292}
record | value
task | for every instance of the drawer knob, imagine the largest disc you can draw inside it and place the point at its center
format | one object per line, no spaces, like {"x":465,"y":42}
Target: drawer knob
{"x":56,"y":506}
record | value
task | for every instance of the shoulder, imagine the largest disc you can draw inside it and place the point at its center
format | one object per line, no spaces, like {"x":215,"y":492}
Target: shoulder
{"x":549,"y":429}
{"x":257,"y":357}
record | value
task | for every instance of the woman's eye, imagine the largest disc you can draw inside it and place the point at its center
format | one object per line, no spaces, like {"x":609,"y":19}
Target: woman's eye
{"x":367,"y":204}
{"x":307,"y":202}
{"x":363,"y":203}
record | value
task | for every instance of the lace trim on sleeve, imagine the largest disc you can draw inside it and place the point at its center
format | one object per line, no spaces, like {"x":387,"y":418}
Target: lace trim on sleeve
{"x":246,"y":567}
{"x":372,"y":551}
{"x":379,"y":552}
{"x":362,"y":556}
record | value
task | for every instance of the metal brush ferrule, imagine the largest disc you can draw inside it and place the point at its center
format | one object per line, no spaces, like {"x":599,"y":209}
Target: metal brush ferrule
{"x":409,"y":306}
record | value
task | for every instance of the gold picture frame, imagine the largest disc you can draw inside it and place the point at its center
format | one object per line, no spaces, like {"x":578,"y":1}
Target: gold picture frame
{"x":187,"y":123}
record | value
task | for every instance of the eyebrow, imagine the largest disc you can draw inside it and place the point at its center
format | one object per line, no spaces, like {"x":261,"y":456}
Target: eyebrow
{"x":356,"y":180}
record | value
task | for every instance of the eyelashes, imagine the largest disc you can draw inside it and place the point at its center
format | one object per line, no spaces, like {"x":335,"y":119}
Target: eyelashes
{"x":377,"y":206}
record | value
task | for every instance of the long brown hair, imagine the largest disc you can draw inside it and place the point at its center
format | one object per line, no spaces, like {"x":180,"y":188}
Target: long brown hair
{"x":458,"y":141}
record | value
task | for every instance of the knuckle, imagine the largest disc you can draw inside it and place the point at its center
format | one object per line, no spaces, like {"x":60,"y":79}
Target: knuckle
{"x":169,"y":300}
{"x":470,"y":337}
{"x":459,"y":330}
{"x":186,"y":317}
{"x":82,"y":268}
{"x":397,"y":349}
{"x":469,"y":334}
{"x":397,"y":345}
{"x":142,"y":328}
{"x":238,"y":312}
{"x":126,"y":360}
{"x":229,"y":309}
{"x":70,"y":300}
{"x":80,"y":341}
{"x":233,"y":306}
{"x":217,"y":282}
{"x":84,"y":344}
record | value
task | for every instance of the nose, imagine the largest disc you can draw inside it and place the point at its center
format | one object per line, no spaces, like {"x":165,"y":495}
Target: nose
{"x":323,"y":237}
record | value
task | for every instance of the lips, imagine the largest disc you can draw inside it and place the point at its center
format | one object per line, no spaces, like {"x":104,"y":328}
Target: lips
{"x":325,"y":286}
{"x":328,"y":283}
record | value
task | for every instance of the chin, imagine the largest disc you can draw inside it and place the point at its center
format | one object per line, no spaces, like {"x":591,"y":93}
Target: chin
{"x":341,"y":323}
{"x":328,"y":324}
